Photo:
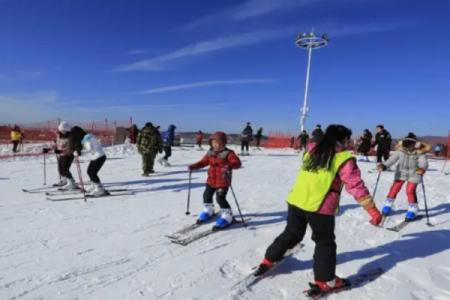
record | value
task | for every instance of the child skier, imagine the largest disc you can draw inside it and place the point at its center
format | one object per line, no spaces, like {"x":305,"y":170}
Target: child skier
{"x":314,"y":200}
{"x":412,"y":164}
{"x":221,"y":160}
{"x":64,"y":157}
{"x":87,"y":144}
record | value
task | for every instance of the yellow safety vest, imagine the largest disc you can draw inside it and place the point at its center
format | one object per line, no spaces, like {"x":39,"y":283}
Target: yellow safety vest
{"x":311,"y":188}
{"x":15,"y":135}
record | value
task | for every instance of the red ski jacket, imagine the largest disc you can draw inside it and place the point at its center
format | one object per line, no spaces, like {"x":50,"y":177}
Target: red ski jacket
{"x":221,"y":163}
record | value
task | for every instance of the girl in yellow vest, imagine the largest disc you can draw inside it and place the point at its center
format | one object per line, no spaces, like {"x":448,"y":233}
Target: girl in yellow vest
{"x":314,"y":200}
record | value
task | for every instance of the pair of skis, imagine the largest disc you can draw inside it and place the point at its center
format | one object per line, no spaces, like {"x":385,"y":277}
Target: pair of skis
{"x":187,"y":234}
{"x":402,"y":224}
{"x":54,"y":194}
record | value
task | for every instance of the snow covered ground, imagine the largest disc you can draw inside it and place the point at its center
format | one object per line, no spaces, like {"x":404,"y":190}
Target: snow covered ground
{"x":115,"y":248}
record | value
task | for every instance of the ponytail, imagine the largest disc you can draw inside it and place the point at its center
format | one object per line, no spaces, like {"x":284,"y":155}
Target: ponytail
{"x":323,"y":153}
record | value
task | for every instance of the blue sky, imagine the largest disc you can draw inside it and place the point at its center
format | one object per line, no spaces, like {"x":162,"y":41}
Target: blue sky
{"x":214,"y":65}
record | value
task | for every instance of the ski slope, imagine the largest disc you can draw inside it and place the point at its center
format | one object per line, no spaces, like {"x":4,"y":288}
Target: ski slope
{"x":115,"y":248}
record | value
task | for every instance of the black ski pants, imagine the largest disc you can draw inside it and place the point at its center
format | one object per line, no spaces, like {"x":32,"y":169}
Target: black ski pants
{"x":93,"y":168}
{"x":167,"y":151}
{"x":382,"y":153}
{"x":221,"y":195}
{"x":15,"y":146}
{"x":64,"y":163}
{"x":322,"y":234}
{"x":244,"y":144}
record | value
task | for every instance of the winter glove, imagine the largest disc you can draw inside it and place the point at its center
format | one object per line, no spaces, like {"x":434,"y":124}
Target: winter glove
{"x":375,"y":216}
{"x":57,"y":151}
{"x":420,"y":171}
{"x":191,"y":168}
{"x":381,"y":167}
{"x":76,"y":154}
{"x":45,"y":150}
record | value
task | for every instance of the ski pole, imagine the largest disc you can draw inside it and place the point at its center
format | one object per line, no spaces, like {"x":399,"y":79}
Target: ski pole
{"x":443,"y":167}
{"x":57,"y":162}
{"x":45,"y":168}
{"x":77,"y":162}
{"x":425,"y":201}
{"x":237,"y":205}
{"x":189,"y":193}
{"x":376,"y":186}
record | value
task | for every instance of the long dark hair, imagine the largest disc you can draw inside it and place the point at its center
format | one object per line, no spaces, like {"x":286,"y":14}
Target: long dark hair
{"x":323,"y":153}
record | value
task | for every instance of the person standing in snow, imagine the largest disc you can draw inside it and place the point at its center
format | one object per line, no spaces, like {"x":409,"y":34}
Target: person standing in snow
{"x":221,"y":161}
{"x":199,"y":139}
{"x":412,"y":163}
{"x":167,"y":138}
{"x":364,"y":143}
{"x":64,"y":156}
{"x":304,"y":138}
{"x":314,"y":200}
{"x":383,"y":142}
{"x":148,"y":143}
{"x":317,"y":134}
{"x":258,"y":137}
{"x":246,"y":137}
{"x":16,"y":137}
{"x":83,"y":143}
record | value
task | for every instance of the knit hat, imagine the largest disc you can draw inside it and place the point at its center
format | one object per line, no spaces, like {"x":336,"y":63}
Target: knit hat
{"x":411,"y":137}
{"x":219,"y":136}
{"x":63,"y":127}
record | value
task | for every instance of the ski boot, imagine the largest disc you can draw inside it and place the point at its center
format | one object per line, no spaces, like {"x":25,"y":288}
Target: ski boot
{"x":323,"y":287}
{"x":411,"y":214}
{"x":387,"y":208}
{"x":263,"y":267}
{"x":206,"y":214}
{"x":98,"y":190}
{"x":225,"y":220}
{"x":70,"y":185}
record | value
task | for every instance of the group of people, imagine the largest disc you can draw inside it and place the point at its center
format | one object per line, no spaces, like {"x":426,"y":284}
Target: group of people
{"x":72,"y":142}
{"x":327,"y":167}
{"x":150,"y":142}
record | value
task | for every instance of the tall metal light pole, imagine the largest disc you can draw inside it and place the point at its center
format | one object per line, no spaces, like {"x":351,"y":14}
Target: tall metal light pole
{"x":308,"y":41}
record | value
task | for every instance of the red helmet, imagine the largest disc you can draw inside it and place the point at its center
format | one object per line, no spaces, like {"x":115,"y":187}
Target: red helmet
{"x":219,"y":136}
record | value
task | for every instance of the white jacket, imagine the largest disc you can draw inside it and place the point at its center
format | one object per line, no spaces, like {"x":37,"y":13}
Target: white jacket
{"x":92,"y":147}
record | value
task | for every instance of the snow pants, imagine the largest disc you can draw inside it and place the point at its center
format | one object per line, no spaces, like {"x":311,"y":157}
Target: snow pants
{"x":322,"y":234}
{"x":148,"y":160}
{"x":167,"y":151}
{"x":244,"y":144}
{"x":410,"y":190}
{"x":221,"y":195}
{"x":64,"y":163}
{"x":93,"y":168}
{"x":382,"y":153}
{"x":15,"y":146}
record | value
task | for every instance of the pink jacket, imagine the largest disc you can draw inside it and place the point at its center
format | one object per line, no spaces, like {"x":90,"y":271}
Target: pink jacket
{"x":349,"y":175}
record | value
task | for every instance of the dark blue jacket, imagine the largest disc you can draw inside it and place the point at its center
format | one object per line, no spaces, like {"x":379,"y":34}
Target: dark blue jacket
{"x":169,"y":135}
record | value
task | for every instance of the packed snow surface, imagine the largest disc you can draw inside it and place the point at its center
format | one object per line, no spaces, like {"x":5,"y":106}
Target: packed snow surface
{"x":116,"y":248}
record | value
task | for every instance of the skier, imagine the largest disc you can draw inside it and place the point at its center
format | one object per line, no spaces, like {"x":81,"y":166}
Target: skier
{"x":364,"y":143}
{"x":199,"y":139}
{"x":167,"y":138}
{"x":314,"y":200}
{"x":246,"y":137}
{"x":258,"y":137}
{"x":133,"y":132}
{"x":317,"y":134}
{"x":83,"y":143}
{"x":16,"y":137}
{"x":383,"y":142}
{"x":64,"y":157}
{"x":437,"y":149}
{"x":303,"y":137}
{"x":148,"y":143}
{"x":221,"y":161}
{"x":411,"y":166}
